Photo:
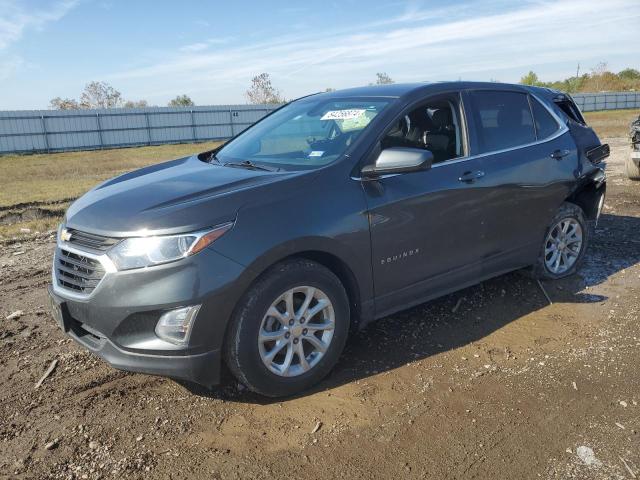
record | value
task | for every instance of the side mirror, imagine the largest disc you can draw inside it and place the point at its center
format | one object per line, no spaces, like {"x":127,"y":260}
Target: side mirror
{"x":399,"y":160}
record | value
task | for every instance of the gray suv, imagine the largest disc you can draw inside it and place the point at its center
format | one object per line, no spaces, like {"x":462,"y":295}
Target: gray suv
{"x":334,"y":210}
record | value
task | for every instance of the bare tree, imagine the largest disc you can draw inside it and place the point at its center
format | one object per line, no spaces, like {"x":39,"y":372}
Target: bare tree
{"x":63,"y":104}
{"x":135,"y":104}
{"x":597,"y":76}
{"x":181,"y":101}
{"x":262,"y":91}
{"x":383,"y":79}
{"x":100,"y":95}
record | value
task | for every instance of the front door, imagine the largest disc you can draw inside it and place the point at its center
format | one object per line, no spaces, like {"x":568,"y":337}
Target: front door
{"x":426,"y":227}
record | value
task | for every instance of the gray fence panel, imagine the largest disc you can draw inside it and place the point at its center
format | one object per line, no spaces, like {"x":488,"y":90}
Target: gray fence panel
{"x":589,"y":102}
{"x":33,"y":131}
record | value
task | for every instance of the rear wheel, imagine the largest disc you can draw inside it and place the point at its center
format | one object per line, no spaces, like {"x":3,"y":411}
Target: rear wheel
{"x":633,"y":169}
{"x":564,"y":244}
{"x":289,"y":329}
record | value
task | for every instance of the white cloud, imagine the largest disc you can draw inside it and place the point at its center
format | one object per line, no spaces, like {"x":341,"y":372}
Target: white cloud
{"x":414,"y":45}
{"x":16,"y":18}
{"x":202,"y":46}
{"x":194,"y":47}
{"x":10,"y":65}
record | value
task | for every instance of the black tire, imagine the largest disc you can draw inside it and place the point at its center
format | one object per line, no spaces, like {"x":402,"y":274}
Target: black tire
{"x":567,"y":210}
{"x":242,"y":354}
{"x":633,"y":169}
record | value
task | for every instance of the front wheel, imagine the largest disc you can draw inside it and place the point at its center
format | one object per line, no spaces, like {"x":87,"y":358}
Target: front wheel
{"x":289,"y":329}
{"x":565,"y":242}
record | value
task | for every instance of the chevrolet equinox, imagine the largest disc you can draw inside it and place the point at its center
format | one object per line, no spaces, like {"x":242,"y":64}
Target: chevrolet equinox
{"x":334,"y":210}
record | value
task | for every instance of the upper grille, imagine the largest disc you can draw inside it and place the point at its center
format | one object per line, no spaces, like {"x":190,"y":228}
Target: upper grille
{"x":77,"y":272}
{"x":91,"y":240}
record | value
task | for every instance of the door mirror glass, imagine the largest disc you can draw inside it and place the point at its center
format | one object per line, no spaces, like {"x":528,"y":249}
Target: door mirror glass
{"x":399,"y":160}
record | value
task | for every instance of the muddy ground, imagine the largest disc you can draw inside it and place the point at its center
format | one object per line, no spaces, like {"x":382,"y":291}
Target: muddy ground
{"x":503,"y":386}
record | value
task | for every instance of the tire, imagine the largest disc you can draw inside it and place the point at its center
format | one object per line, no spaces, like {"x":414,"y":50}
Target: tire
{"x":633,"y":169}
{"x":572,"y":214}
{"x":247,"y":357}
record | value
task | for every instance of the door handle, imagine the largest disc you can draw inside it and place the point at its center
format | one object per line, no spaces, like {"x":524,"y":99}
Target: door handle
{"x":559,"y":154}
{"x":470,"y":177}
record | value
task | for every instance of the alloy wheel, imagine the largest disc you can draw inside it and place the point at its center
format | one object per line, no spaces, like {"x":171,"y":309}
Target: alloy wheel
{"x":563,"y":245}
{"x":296,"y":331}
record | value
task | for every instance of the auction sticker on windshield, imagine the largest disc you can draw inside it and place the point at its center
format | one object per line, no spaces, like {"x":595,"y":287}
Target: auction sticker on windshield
{"x":343,"y":114}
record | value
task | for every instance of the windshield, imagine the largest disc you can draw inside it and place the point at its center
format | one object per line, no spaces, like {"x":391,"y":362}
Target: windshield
{"x":304,"y":134}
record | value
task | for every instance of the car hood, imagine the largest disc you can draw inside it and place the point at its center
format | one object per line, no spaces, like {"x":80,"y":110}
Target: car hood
{"x":173,"y":197}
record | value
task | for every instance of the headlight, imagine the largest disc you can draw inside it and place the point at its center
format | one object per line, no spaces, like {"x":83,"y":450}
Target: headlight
{"x":141,"y":252}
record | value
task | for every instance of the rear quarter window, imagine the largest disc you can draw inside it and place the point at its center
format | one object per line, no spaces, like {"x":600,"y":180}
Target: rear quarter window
{"x":546,"y":125}
{"x":503,"y":120}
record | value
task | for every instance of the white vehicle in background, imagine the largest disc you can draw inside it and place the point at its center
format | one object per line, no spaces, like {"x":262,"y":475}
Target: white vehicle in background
{"x":633,"y":162}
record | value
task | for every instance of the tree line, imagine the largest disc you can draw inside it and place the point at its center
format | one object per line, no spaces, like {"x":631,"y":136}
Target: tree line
{"x":103,"y":95}
{"x":599,"y":79}
{"x":261,"y":91}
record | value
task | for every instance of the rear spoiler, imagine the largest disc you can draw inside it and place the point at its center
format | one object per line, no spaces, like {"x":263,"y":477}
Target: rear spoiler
{"x":599,"y":153}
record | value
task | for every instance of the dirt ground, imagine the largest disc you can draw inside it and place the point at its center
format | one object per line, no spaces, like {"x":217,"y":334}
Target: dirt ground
{"x":490,"y":382}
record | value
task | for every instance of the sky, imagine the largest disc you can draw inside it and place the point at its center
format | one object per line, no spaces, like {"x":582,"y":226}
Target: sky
{"x":210,"y":50}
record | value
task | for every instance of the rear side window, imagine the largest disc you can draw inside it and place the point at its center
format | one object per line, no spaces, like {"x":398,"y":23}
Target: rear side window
{"x":546,"y":125}
{"x":503,"y":120}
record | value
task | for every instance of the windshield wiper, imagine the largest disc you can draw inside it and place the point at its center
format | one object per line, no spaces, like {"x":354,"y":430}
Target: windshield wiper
{"x":214,"y":158}
{"x":248,"y":164}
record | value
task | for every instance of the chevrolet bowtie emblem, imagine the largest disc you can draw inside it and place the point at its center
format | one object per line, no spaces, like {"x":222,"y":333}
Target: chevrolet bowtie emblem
{"x":65,"y":235}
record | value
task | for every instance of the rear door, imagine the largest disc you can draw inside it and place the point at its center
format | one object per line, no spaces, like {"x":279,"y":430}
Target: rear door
{"x":529,"y":164}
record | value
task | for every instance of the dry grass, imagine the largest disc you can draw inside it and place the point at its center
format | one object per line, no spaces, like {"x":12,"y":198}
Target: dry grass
{"x":611,"y":123}
{"x":36,"y":189}
{"x":63,"y":176}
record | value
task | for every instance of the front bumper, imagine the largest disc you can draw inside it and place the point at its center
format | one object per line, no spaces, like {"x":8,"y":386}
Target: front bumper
{"x":117,"y":321}
{"x":635,"y":157}
{"x":203,"y":368}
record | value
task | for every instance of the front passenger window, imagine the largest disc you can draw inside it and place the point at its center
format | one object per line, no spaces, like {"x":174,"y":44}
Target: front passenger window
{"x":434,"y":126}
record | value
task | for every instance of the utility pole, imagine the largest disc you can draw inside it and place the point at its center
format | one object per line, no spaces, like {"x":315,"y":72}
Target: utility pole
{"x":578,"y":70}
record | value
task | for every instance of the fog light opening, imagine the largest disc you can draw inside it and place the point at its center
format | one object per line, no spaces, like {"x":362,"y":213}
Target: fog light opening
{"x":175,"y":326}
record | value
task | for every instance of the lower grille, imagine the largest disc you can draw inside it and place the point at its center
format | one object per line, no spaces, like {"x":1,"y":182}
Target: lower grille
{"x":76,"y":272}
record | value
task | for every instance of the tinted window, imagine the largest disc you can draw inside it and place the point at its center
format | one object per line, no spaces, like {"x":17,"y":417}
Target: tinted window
{"x":503,"y":120}
{"x":434,"y":126}
{"x":545,"y":123}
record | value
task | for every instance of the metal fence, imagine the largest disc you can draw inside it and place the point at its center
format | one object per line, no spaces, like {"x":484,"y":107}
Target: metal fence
{"x":56,"y":131}
{"x":589,"y":102}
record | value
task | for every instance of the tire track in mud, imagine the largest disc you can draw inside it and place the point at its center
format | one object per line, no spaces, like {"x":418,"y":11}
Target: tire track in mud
{"x":44,"y":203}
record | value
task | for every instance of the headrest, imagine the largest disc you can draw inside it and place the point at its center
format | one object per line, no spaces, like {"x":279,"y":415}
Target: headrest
{"x":440,"y":117}
{"x":509,"y":117}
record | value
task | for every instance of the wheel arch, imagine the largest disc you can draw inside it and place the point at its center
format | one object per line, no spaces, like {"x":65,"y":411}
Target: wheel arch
{"x":328,"y":253}
{"x":587,"y":196}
